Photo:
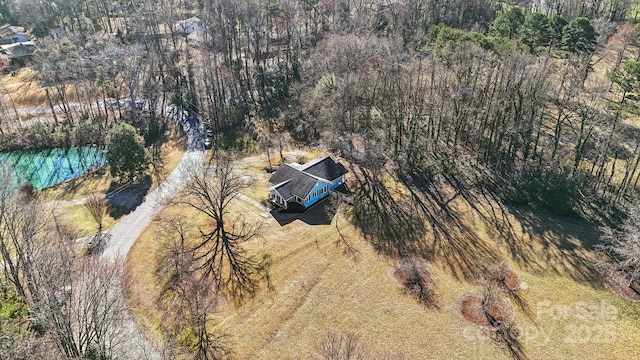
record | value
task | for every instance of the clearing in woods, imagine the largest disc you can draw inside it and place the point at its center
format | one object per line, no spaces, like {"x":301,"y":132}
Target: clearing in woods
{"x":317,"y":289}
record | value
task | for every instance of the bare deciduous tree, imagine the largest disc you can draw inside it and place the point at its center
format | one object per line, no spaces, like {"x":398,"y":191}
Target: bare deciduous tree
{"x":219,"y":251}
{"x":186,"y":295}
{"x":416,"y":279}
{"x":622,"y":246}
{"x":335,"y":346}
{"x":97,"y":205}
{"x":76,"y":302}
{"x":79,"y":301}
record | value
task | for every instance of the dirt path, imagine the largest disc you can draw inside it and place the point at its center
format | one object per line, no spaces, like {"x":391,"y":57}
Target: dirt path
{"x":252,"y":202}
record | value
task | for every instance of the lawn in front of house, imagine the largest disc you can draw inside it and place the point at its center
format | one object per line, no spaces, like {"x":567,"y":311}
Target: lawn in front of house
{"x":317,"y":289}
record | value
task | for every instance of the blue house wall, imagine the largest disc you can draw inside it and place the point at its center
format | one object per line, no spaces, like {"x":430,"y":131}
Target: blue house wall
{"x":319,"y":195}
{"x":337,"y":182}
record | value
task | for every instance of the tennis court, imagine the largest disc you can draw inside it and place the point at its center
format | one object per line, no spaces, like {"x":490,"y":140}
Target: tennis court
{"x":46,"y":167}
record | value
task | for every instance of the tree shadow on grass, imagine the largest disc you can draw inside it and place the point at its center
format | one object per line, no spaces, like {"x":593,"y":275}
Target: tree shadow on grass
{"x":551,"y":244}
{"x":124,"y":198}
{"x":538,"y":242}
{"x":397,"y":225}
{"x":389,"y":222}
{"x":507,"y":338}
{"x":453,"y":240}
{"x":522,"y":304}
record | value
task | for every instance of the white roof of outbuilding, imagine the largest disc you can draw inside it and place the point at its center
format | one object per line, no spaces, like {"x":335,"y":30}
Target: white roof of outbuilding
{"x":24,"y":43}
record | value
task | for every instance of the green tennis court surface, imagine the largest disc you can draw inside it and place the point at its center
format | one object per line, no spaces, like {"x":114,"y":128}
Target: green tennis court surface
{"x":47,"y":167}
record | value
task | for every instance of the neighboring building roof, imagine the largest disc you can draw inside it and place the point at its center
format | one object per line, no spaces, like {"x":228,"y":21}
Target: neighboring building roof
{"x":19,"y":49}
{"x":8,"y":30}
{"x":24,"y":43}
{"x":293,"y":179}
{"x":190,"y":25}
{"x":326,"y":169}
{"x":197,"y":35}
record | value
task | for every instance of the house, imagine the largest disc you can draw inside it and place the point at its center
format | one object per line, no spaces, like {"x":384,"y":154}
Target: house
{"x":10,"y":34}
{"x":197,"y":35}
{"x":19,"y":50}
{"x":298,"y":186}
{"x":58,"y":33}
{"x":189,"y":25}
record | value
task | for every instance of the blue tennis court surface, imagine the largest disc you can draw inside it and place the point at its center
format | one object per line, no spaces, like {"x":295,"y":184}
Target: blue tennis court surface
{"x":47,"y":167}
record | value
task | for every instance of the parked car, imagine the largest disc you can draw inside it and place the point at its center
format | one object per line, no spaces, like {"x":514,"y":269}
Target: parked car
{"x":209,"y":133}
{"x":207,"y":143}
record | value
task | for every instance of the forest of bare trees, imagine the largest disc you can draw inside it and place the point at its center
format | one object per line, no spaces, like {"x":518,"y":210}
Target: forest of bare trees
{"x":510,"y":88}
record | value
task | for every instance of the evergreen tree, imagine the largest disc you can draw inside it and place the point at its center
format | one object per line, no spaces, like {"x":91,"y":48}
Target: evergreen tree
{"x":509,"y":23}
{"x":536,"y":31}
{"x":557,"y":24}
{"x":627,"y":77}
{"x":125,"y":153}
{"x":579,"y":36}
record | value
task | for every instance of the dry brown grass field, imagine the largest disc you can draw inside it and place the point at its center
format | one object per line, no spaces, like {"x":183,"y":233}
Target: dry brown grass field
{"x":317,"y":289}
{"x":24,"y":89}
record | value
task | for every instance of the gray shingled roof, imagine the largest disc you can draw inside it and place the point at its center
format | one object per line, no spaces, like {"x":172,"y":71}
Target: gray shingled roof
{"x":300,"y":183}
{"x":326,"y":169}
{"x":7,"y":31}
{"x":285,"y":190}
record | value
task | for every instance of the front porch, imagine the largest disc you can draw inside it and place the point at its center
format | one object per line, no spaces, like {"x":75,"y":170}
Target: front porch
{"x":276,"y":199}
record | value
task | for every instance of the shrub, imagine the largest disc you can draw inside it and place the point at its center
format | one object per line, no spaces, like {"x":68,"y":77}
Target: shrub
{"x":488,"y":310}
{"x":500,"y":276}
{"x":416,"y":279}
